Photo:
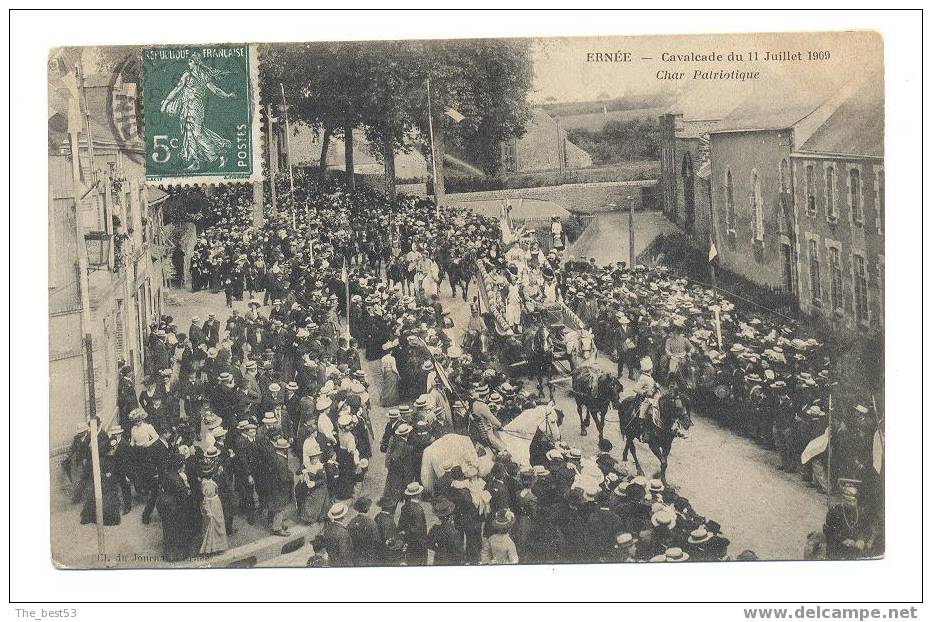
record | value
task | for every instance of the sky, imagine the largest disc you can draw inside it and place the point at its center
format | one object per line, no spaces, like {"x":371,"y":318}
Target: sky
{"x":562,"y":72}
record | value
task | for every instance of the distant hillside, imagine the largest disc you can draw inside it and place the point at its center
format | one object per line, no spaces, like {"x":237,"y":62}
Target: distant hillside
{"x":572,"y":109}
{"x":597,"y":120}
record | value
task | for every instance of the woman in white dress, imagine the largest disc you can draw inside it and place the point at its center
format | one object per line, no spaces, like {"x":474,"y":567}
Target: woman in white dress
{"x":213,"y":530}
{"x":513,"y":306}
{"x":430,"y":281}
{"x":389,"y":366}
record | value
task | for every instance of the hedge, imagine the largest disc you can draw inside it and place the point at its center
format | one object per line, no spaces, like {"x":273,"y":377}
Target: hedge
{"x":634,"y":171}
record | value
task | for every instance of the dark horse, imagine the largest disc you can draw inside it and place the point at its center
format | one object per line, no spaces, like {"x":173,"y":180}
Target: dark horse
{"x":685,"y":381}
{"x":659,"y":437}
{"x":594,"y":390}
{"x":459,"y":274}
{"x":538,"y":348}
{"x":457,"y":269}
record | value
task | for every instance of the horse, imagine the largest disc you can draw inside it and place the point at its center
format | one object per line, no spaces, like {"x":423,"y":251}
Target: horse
{"x":458,"y":274}
{"x":658,"y":430}
{"x":595,"y":391}
{"x":538,"y":351}
{"x":685,"y":379}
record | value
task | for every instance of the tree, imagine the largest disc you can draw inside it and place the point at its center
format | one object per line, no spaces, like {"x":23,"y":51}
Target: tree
{"x":324,"y":86}
{"x":487,"y":81}
{"x":389,"y":104}
{"x":382,"y":88}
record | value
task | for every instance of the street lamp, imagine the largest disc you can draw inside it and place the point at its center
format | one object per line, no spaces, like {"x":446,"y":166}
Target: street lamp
{"x":98,"y":249}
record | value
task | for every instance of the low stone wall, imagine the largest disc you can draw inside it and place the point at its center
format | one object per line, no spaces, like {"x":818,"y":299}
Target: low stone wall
{"x":589,"y":198}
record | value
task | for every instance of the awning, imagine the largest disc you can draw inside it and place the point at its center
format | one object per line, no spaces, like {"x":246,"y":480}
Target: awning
{"x":154,"y":196}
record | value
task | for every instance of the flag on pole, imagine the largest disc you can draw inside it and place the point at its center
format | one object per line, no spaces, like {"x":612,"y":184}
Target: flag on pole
{"x":454,"y":114}
{"x":344,"y":274}
{"x":816,"y":447}
{"x":442,"y":374}
{"x":877,"y":453}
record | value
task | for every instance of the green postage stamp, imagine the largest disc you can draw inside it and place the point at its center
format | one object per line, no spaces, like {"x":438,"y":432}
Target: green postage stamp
{"x":200,"y":105}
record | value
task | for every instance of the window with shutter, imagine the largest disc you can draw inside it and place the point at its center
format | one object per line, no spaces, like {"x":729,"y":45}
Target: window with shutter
{"x":830,"y":211}
{"x":815,"y":279}
{"x":854,"y":188}
{"x":860,"y":289}
{"x":835,"y":266}
{"x":118,"y":332}
{"x":730,"y":215}
{"x":810,"y":190}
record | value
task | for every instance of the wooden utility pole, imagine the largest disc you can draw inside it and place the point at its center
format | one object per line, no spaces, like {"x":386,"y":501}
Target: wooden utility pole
{"x":348,"y":160}
{"x":828,"y":456}
{"x":84,"y":292}
{"x":273,"y":157}
{"x":631,"y":258}
{"x":288,"y":150}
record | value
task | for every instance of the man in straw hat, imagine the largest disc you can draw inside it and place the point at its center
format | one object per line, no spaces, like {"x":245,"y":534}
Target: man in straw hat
{"x":336,"y":537}
{"x":412,"y":525}
{"x":280,"y":487}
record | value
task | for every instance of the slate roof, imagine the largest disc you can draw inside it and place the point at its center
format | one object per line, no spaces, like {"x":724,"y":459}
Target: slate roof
{"x":856,"y":127}
{"x":779,"y":102}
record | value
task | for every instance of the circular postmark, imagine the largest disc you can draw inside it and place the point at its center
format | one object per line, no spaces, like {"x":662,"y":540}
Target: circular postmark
{"x":124,"y":105}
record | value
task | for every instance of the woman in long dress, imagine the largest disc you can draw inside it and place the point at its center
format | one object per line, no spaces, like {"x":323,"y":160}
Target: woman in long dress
{"x":213,"y":531}
{"x":513,"y":306}
{"x":110,"y":491}
{"x":431,"y":280}
{"x":389,"y":366}
{"x":347,"y":457}
{"x":188,"y":101}
{"x":315,"y":498}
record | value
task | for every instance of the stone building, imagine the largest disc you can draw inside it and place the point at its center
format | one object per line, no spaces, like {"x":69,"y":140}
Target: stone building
{"x":544,"y":147}
{"x":789,"y":185}
{"x":685,"y":158}
{"x":838,"y":176}
{"x":103,"y":193}
{"x":753,"y":216}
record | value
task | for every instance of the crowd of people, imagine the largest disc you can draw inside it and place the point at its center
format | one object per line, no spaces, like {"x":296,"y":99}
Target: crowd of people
{"x":267,"y":415}
{"x":756,"y":373}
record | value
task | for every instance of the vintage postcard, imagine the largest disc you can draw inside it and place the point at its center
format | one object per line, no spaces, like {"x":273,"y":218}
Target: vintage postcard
{"x":462,"y":302}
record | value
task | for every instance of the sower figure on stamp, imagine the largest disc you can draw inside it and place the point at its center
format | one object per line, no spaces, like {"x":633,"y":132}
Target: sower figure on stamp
{"x":188,"y":101}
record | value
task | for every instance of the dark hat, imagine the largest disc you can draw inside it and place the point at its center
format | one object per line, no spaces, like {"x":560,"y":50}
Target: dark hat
{"x":362,"y":504}
{"x":503,"y":519}
{"x":443,"y":507}
{"x":575,"y":496}
{"x":175,"y":461}
{"x":387,"y":503}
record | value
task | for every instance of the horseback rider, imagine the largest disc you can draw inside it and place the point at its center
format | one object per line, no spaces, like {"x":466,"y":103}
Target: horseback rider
{"x":645,"y":383}
{"x":645,"y":387}
{"x":677,"y":347}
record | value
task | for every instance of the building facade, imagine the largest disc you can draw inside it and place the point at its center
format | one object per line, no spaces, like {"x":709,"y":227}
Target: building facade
{"x":796,"y":195}
{"x":543,"y":147}
{"x":840,"y":207}
{"x":685,"y":169}
{"x":752,"y":200}
{"x":103,"y":192}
